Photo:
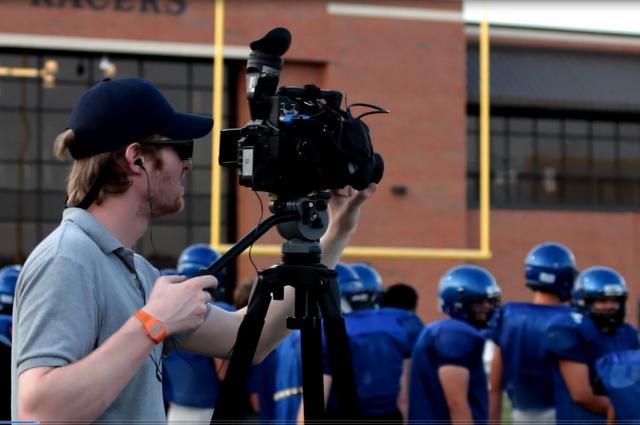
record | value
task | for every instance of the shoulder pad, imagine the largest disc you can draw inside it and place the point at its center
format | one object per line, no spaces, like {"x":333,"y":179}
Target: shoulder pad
{"x":565,"y":338}
{"x":615,"y":369}
{"x":456,"y":343}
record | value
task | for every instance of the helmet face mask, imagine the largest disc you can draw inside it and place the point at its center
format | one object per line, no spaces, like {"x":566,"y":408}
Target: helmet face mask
{"x":481,"y":311}
{"x":363,"y":300}
{"x":372,"y":284}
{"x":606,"y":318}
{"x":353,"y":293}
{"x":469,"y":293}
{"x":601,"y":294}
{"x":608,"y":321}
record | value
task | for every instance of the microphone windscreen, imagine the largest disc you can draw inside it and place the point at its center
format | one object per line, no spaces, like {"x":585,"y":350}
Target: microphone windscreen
{"x":276,"y":42}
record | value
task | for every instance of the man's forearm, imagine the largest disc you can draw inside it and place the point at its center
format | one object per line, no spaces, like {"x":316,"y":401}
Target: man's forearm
{"x":495,"y":386}
{"x":275,"y":326}
{"x":84,"y":389}
{"x":455,"y":386}
{"x":576,"y":378}
{"x":595,"y":403}
{"x":333,"y":245}
{"x":495,"y":406}
{"x":217,"y":335}
{"x":403,"y":395}
{"x":460,"y":414}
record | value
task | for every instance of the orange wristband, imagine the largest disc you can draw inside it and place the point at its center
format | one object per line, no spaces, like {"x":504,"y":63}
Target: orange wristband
{"x":154,"y":328}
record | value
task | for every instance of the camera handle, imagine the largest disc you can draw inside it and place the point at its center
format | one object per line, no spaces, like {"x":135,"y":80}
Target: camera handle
{"x":247,"y":240}
{"x":317,"y":301}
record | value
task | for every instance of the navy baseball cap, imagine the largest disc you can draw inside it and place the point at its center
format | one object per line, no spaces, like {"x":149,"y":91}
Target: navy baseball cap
{"x":114,"y":113}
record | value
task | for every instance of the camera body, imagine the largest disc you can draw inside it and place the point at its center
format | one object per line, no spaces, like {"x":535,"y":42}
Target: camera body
{"x":298,"y":140}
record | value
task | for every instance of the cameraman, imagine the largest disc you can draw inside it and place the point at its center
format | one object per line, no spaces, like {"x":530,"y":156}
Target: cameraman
{"x":91,"y":317}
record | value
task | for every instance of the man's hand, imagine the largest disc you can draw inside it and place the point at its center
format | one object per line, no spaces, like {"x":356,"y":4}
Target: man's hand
{"x":180,"y":303}
{"x":576,"y":378}
{"x":344,"y":211}
{"x":344,"y":207}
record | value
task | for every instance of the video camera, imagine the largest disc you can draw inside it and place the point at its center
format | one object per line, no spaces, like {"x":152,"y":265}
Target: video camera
{"x":298,"y":140}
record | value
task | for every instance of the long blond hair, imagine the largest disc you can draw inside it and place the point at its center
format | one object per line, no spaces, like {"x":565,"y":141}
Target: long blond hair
{"x":84,"y":171}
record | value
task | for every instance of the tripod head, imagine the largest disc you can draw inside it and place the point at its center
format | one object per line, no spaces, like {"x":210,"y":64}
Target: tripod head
{"x":302,"y":236}
{"x":300,"y":221}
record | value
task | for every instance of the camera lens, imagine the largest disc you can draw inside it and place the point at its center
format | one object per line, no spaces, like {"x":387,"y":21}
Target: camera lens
{"x":378,"y":168}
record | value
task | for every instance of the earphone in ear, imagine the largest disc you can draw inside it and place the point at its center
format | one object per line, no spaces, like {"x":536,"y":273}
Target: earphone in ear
{"x":139,"y":163}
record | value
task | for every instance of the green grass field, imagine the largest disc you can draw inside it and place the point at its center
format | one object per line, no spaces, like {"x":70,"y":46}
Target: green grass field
{"x":506,"y":408}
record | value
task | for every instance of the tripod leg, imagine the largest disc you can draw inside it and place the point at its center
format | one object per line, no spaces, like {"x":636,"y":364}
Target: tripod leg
{"x":339,"y":352}
{"x":343,"y":381}
{"x":312,"y":382}
{"x":229,"y":405}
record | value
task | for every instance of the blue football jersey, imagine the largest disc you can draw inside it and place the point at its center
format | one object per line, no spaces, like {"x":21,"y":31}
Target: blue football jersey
{"x":575,"y":337}
{"x":288,"y":391}
{"x":262,"y":381}
{"x":190,"y":379}
{"x":409,"y":321}
{"x":519,"y":329}
{"x":620,"y":375}
{"x":446,"y":342}
{"x":5,"y":325}
{"x":379,"y":343}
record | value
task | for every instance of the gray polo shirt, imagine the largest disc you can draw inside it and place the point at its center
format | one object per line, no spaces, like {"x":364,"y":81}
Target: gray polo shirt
{"x":76,"y":289}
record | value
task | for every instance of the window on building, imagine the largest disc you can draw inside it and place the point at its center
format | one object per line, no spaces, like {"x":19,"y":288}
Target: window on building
{"x":551,"y":161}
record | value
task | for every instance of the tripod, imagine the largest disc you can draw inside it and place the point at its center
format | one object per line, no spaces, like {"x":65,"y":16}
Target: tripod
{"x":301,"y":222}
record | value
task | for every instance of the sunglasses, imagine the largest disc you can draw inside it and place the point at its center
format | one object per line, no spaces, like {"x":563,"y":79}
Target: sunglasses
{"x":184,"y":148}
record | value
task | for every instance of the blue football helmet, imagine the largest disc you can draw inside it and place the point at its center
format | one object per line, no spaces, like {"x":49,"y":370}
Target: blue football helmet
{"x":349,"y":280}
{"x":551,"y":267}
{"x":354,"y":295}
{"x":369,"y":276}
{"x":598,"y":283}
{"x":8,"y":279}
{"x":462,"y":288}
{"x":168,"y":271}
{"x":197,"y":257}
